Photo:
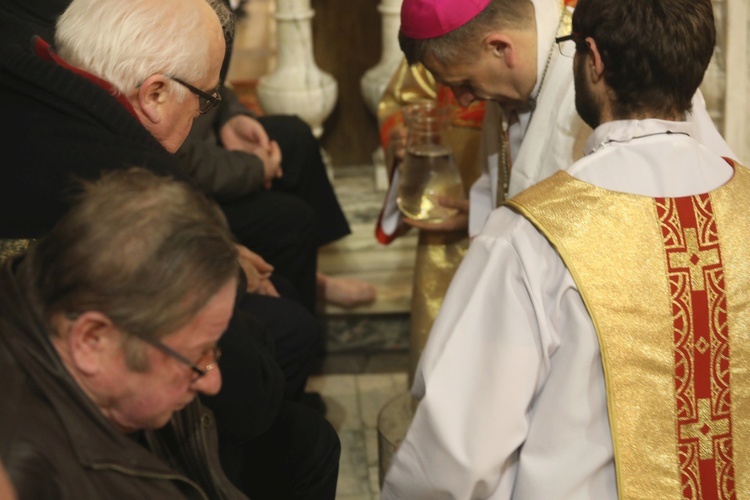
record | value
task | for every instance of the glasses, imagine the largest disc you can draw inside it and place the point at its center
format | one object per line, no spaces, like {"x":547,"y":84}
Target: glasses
{"x":206,"y":102}
{"x":209,"y":360}
{"x":569,"y":49}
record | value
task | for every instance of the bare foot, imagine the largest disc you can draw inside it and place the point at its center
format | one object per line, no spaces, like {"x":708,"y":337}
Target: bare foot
{"x":345,"y":292}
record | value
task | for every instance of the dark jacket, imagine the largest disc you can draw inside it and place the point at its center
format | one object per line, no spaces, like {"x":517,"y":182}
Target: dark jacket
{"x":58,"y":126}
{"x":56,"y":444}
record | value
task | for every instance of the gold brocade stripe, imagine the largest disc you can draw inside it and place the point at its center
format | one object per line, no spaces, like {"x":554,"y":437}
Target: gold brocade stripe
{"x":613,"y":245}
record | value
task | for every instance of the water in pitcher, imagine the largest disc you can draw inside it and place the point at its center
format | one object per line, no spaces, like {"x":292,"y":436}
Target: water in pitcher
{"x":428,"y":171}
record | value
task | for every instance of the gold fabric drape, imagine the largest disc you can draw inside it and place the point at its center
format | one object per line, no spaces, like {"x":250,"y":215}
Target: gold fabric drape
{"x":438,"y":254}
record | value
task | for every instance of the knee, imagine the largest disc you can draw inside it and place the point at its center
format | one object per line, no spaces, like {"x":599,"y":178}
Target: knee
{"x":304,"y":140}
{"x":296,"y":219}
{"x":300,"y":128}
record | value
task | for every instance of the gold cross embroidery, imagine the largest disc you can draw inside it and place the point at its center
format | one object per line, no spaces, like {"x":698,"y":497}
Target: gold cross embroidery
{"x":694,"y":259}
{"x":705,"y":429}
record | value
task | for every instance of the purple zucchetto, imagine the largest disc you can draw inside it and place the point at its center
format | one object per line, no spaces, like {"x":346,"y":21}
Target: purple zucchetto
{"x":422,"y":19}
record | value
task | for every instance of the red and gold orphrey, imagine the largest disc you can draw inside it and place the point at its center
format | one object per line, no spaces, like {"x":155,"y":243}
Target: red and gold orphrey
{"x":667,"y":285}
{"x":702,"y":354}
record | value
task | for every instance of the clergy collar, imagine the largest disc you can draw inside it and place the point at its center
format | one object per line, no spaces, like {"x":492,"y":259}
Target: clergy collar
{"x":45,"y":51}
{"x":621,"y":131}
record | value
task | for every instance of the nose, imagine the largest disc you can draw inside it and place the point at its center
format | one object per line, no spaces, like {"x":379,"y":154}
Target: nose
{"x":210,"y":383}
{"x":466,"y":99}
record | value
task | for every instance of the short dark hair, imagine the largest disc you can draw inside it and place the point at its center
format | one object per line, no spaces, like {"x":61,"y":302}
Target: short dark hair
{"x":655,"y":52}
{"x":146,"y":251}
{"x":509,"y":14}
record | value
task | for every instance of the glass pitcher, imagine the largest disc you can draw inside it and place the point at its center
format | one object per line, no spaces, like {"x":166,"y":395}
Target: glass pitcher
{"x":428,"y":170}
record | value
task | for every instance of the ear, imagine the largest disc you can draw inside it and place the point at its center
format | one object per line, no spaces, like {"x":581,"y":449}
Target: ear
{"x":92,"y":341}
{"x":596,"y":66}
{"x":501,"y":45}
{"x":151,"y":95}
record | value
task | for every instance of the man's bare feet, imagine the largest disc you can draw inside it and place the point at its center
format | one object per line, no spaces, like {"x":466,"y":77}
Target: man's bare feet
{"x":345,"y":292}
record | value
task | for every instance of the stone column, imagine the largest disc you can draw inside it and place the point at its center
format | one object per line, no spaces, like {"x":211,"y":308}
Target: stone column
{"x":737,"y":104}
{"x":375,"y":80}
{"x":297,"y":86}
{"x":714,"y":82}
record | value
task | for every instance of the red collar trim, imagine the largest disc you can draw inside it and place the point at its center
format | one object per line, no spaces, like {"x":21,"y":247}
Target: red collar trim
{"x":44,"y":51}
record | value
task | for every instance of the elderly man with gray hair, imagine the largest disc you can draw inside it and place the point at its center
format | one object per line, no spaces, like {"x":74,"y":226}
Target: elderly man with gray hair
{"x":89,"y":371}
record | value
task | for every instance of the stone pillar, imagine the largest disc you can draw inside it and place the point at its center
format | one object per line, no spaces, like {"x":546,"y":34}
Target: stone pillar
{"x":374,"y":81}
{"x":737,"y":104}
{"x":297,"y":86}
{"x":714,"y":82}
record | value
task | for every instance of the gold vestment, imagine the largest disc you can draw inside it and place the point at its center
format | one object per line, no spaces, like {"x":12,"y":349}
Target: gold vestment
{"x":438,"y":254}
{"x":666,"y":282}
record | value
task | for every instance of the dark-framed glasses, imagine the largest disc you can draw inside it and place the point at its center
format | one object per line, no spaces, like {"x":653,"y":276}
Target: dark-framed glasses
{"x":207,"y":362}
{"x":569,"y":43}
{"x":206,"y":102}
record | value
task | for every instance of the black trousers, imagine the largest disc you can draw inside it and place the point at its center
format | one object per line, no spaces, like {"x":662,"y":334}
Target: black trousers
{"x":296,"y":458}
{"x":286,"y":224}
{"x":271,"y":446}
{"x":281,"y":229}
{"x":305,"y":175}
{"x":296,"y":334}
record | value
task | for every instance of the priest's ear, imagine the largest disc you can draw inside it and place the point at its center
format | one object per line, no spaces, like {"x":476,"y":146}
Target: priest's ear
{"x":502,"y":46}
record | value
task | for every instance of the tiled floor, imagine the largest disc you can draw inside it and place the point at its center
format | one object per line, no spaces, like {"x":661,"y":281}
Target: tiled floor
{"x":354,"y":402}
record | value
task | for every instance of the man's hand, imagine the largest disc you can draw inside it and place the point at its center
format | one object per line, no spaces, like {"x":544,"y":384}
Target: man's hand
{"x":258,"y":272}
{"x":395,"y":150}
{"x":457,"y":222}
{"x":271,"y":158}
{"x":243,"y":133}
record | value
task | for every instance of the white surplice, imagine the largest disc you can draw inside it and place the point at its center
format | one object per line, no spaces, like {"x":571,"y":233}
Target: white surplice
{"x":513,"y":402}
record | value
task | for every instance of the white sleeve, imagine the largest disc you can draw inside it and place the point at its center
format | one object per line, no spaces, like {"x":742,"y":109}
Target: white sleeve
{"x":479,"y":373}
{"x":391,"y":217}
{"x":480,"y":202}
{"x":483,"y":193}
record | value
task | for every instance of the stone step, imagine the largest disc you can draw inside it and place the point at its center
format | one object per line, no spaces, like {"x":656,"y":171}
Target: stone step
{"x":360,"y":255}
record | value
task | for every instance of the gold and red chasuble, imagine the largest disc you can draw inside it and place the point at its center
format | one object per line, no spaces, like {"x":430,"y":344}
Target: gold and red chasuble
{"x":666,"y":282}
